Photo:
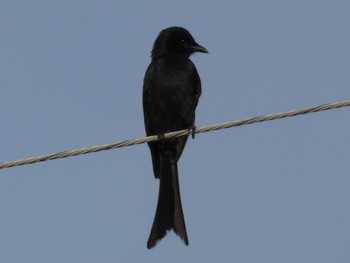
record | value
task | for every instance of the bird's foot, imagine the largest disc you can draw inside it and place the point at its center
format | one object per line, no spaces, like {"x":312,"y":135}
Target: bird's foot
{"x":192,"y":131}
{"x":161,"y":137}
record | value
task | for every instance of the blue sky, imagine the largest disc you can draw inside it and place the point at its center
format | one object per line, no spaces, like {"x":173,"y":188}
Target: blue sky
{"x":71,"y":76}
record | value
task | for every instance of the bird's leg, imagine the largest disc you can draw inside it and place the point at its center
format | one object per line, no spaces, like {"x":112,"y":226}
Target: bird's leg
{"x":192,"y":131}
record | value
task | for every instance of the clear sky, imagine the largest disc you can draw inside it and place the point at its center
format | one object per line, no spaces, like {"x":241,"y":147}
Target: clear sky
{"x":71,"y":76}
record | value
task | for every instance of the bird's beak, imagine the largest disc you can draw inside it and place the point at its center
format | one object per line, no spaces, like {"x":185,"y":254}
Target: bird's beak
{"x":198,"y":48}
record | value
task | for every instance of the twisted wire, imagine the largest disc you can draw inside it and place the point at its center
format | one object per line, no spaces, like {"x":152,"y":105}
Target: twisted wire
{"x":225,"y":125}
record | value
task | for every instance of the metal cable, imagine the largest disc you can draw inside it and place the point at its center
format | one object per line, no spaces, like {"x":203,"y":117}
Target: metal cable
{"x":187,"y":132}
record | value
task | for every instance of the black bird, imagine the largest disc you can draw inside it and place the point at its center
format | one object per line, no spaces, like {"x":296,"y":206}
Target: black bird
{"x":171,"y":90}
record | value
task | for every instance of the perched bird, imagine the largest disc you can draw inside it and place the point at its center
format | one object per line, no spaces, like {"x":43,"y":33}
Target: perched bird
{"x":171,"y":90}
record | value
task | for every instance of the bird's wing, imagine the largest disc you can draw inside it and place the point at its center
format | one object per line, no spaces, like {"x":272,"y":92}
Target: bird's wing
{"x":147,"y":90}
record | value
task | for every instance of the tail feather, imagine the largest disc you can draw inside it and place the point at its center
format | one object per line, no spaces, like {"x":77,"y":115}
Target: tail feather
{"x":169,"y":214}
{"x":179,"y":220}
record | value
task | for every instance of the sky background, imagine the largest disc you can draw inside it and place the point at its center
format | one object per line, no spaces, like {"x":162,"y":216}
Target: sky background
{"x":71,"y":75}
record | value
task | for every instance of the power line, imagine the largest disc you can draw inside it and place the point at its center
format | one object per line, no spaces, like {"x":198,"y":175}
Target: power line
{"x":187,"y":132}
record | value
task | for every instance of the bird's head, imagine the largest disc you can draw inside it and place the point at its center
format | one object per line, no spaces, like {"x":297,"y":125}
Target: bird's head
{"x":175,"y":41}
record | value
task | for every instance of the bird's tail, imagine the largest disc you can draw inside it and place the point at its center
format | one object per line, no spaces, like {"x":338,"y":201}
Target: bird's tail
{"x":169,"y":214}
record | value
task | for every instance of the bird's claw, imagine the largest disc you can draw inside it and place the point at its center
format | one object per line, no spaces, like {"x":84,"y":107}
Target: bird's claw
{"x":161,"y":137}
{"x":192,"y":131}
